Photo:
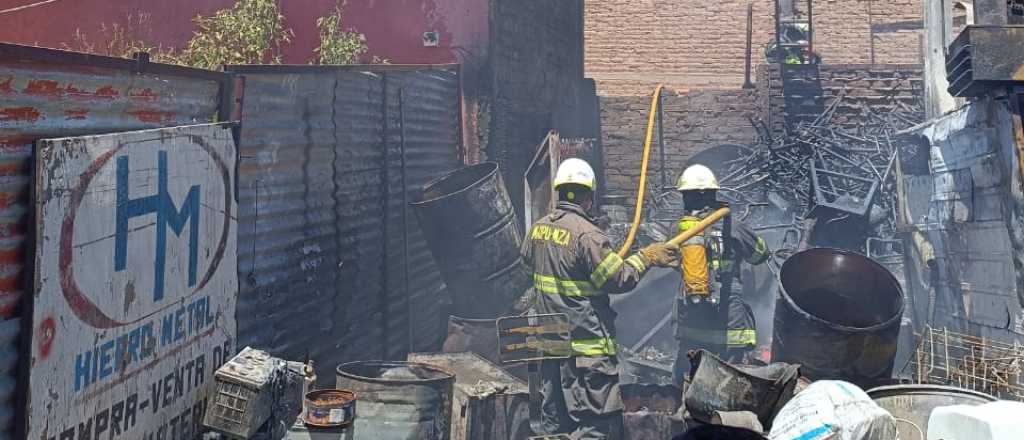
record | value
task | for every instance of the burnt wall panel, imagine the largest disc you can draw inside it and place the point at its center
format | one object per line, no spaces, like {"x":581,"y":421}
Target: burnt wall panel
{"x":309,"y":194}
{"x":423,"y":122}
{"x":322,"y":242}
{"x":537,"y":67}
{"x":972,"y":201}
{"x":47,"y":94}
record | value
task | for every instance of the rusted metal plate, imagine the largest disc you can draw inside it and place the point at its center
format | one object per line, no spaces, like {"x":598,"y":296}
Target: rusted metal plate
{"x":44,"y":96}
{"x":322,"y":275}
{"x":134,"y":302}
{"x":50,"y":93}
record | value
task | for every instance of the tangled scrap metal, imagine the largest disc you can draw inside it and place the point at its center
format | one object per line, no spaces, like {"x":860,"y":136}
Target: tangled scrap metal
{"x":845,"y":163}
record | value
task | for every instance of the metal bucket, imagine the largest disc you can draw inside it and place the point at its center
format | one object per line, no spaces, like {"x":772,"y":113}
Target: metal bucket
{"x":838,"y":315}
{"x":468,"y":221}
{"x":912,"y":405}
{"x":719,"y":386}
{"x":399,"y":400}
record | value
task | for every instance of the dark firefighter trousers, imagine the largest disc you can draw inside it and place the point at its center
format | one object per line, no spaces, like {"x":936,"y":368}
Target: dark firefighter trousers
{"x":581,"y":397}
{"x":700,"y":326}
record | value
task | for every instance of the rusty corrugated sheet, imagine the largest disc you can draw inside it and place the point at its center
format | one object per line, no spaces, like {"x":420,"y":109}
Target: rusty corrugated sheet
{"x":50,"y":93}
{"x":321,"y":274}
{"x":426,"y":104}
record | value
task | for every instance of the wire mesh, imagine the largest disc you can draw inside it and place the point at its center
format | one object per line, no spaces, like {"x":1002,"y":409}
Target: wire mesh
{"x":944,"y":357}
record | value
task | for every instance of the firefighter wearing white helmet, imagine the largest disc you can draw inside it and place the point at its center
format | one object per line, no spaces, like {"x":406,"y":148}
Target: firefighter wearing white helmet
{"x":574,"y":271}
{"x":697,"y":178}
{"x":576,"y":172}
{"x":710,"y":311}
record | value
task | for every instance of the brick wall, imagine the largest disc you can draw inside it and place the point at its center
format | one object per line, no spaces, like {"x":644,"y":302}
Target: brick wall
{"x":694,"y":121}
{"x":631,"y":45}
{"x":844,"y":31}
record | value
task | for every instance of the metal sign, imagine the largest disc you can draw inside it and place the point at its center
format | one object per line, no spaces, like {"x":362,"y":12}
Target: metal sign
{"x":136,"y":282}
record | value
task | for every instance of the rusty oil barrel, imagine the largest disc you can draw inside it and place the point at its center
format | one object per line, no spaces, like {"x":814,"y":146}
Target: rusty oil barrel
{"x":399,"y":400}
{"x":470,"y":226}
{"x":838,"y":315}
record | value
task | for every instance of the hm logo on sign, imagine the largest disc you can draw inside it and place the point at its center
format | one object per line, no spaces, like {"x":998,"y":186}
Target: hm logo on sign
{"x":167,"y":216}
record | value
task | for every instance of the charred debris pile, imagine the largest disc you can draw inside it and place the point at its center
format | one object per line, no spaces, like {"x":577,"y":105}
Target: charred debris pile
{"x":830,"y":179}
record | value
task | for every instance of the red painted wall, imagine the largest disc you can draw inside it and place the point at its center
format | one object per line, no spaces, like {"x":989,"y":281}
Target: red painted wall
{"x":393,"y":28}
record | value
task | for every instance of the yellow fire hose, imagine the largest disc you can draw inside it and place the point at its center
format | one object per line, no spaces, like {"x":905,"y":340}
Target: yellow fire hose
{"x":642,"y":189}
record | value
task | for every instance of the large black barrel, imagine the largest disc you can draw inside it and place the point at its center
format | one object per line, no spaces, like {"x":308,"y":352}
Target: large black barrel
{"x":470,"y":225}
{"x":399,"y":400}
{"x":838,"y":314}
{"x":912,"y":405}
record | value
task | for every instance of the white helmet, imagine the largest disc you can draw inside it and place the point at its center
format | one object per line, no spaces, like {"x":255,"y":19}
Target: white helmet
{"x":697,"y":177}
{"x":575,"y":171}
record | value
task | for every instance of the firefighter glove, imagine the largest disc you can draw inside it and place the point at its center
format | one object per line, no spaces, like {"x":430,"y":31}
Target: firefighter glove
{"x":661,"y":254}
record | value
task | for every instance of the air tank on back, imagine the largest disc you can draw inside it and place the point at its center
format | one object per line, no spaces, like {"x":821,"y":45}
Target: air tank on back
{"x":470,"y":226}
{"x":838,"y":314}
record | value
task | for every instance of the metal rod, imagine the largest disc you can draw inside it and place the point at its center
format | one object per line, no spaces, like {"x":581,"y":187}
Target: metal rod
{"x":810,"y":27}
{"x":405,"y":216}
{"x":747,"y":84}
{"x":871,"y":31}
{"x":385,"y":178}
{"x":778,"y":32}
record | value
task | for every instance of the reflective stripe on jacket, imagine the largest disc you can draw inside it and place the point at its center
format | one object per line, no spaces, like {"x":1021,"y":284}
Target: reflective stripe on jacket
{"x":574,"y":269}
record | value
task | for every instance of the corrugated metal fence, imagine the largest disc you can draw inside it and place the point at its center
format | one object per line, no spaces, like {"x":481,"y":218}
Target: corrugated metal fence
{"x":328,"y":153}
{"x":48,"y":93}
{"x":330,"y":158}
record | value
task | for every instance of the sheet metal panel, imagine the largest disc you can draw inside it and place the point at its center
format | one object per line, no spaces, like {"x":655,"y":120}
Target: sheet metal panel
{"x":322,"y":275}
{"x":309,"y":201}
{"x":50,"y":93}
{"x":136,"y":283}
{"x":967,"y":222}
{"x":423,"y":110}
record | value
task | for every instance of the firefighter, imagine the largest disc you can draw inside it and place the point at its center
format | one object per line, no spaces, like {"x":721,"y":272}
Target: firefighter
{"x":710,"y":311}
{"x":574,"y":269}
